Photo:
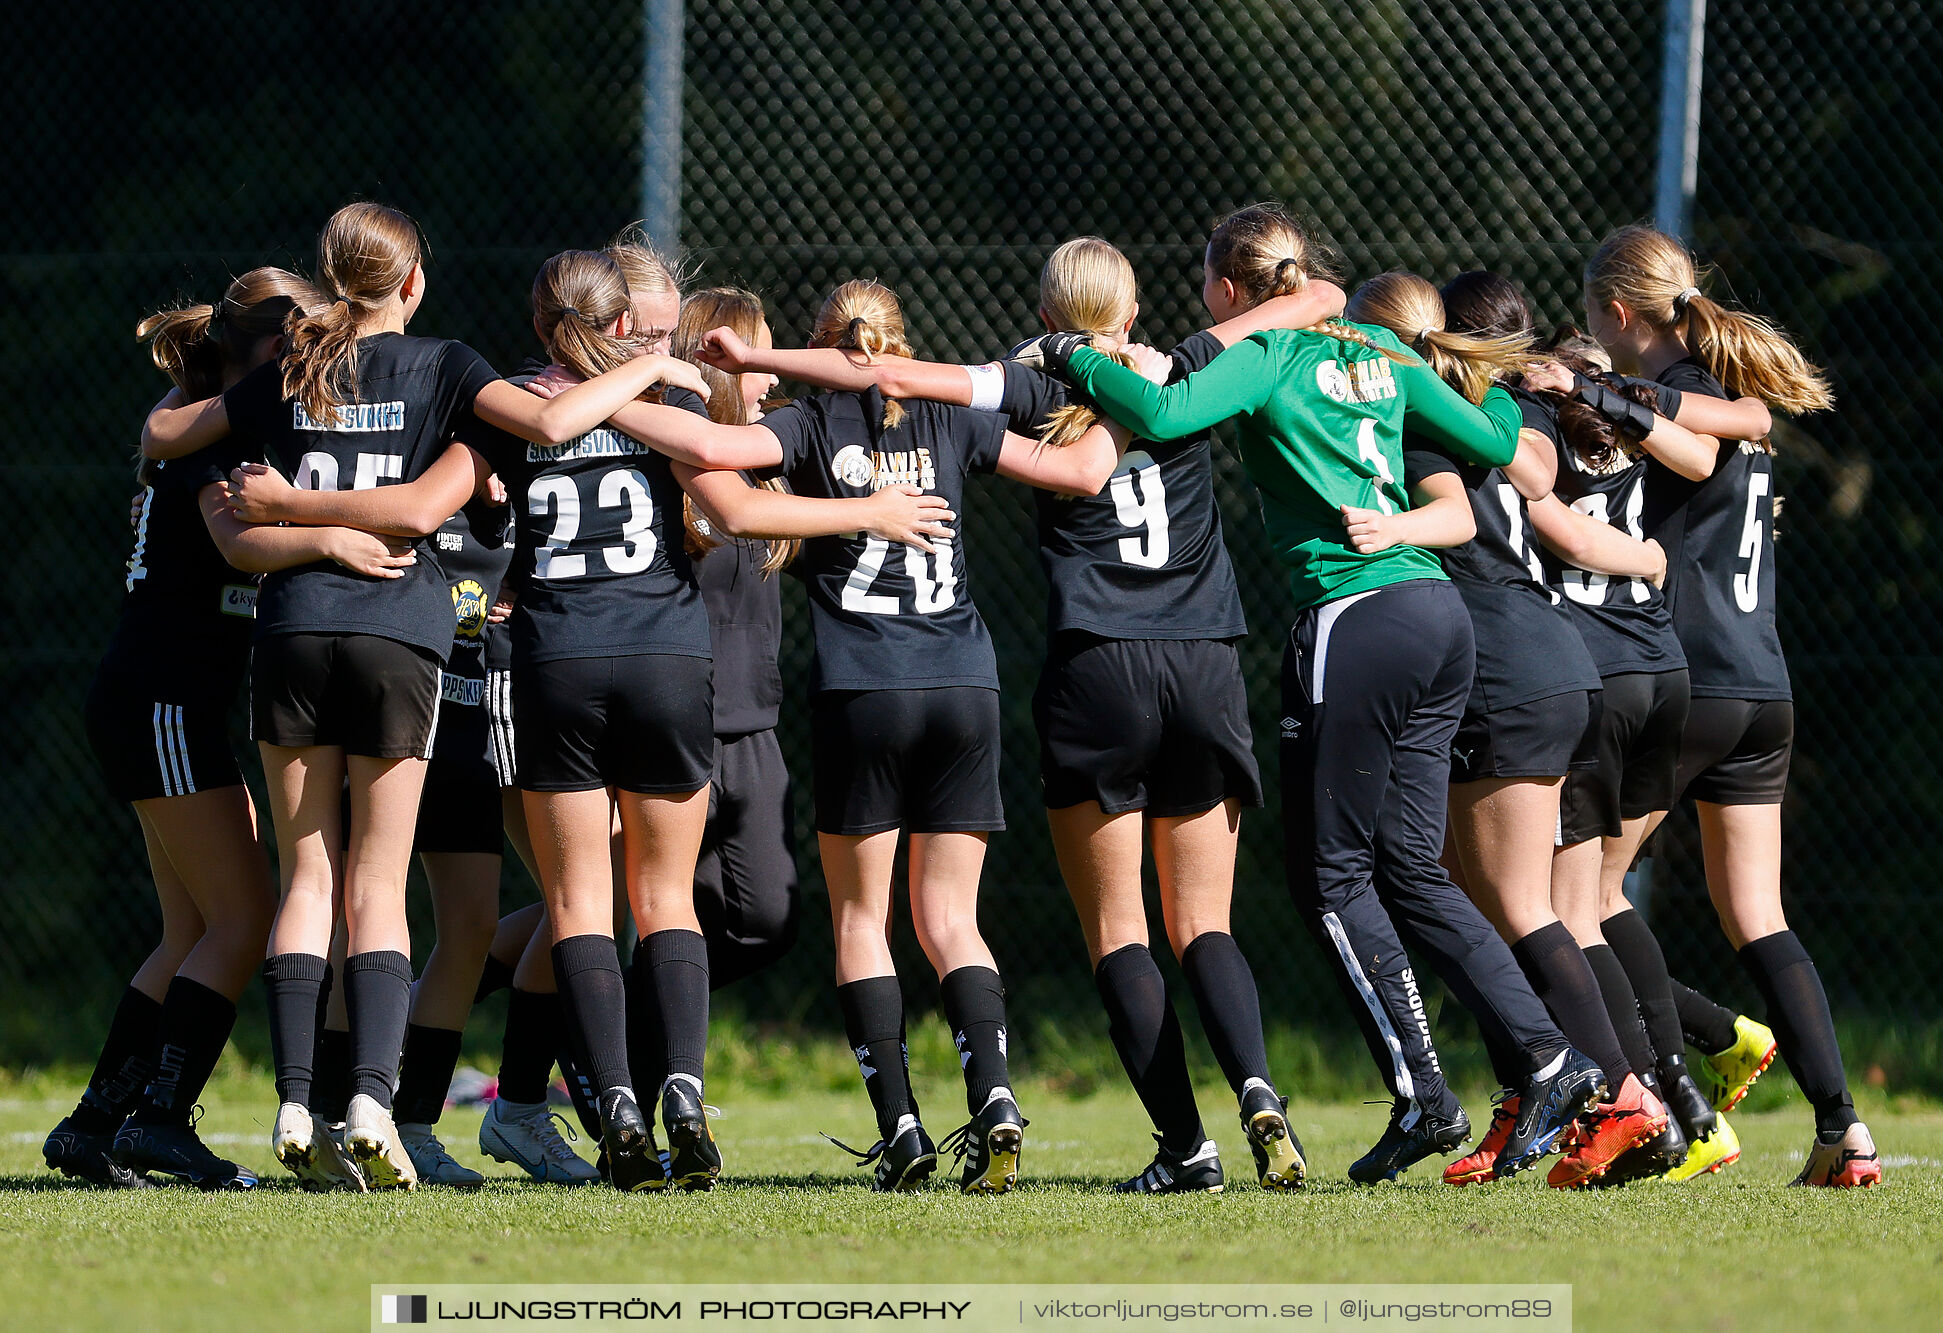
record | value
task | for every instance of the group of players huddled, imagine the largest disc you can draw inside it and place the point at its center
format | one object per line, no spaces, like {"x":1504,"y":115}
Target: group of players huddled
{"x":1535,"y":596}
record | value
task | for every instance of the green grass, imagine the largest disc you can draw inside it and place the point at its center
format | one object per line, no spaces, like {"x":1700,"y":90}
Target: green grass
{"x":1732,"y":1252}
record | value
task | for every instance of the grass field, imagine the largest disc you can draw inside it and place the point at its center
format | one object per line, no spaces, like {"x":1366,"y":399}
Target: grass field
{"x":1732,"y":1252}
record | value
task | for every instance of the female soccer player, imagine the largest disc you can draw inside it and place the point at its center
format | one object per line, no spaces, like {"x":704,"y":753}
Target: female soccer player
{"x":157,"y":718}
{"x":905,"y":714}
{"x":1386,"y":641}
{"x":1645,"y":306}
{"x":1141,"y":709}
{"x":344,"y":673}
{"x":1531,"y":701}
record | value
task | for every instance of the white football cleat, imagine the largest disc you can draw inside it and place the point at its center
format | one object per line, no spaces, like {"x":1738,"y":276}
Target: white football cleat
{"x":528,"y":1137}
{"x":434,"y":1165}
{"x":304,"y":1145}
{"x":373,"y":1142}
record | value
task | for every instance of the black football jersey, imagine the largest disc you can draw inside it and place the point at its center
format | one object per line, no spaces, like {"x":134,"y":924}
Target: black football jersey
{"x":1624,"y":621}
{"x":1526,"y":648}
{"x":1144,"y":558}
{"x":475,"y":546}
{"x":1719,"y":539}
{"x":412,"y":394}
{"x":177,"y":582}
{"x":745,"y":623}
{"x":600,"y":561}
{"x":889,"y":617}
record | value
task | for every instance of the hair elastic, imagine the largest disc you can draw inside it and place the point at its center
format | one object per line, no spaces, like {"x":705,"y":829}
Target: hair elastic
{"x":1423,"y":336}
{"x":855,"y":328}
{"x":1685,"y":298}
{"x":566,"y":310}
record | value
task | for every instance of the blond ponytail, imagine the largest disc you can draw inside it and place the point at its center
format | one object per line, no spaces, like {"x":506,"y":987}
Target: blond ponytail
{"x":181,"y":348}
{"x":863,"y":316}
{"x":364,"y":254}
{"x":1411,"y":308}
{"x":1086,"y":286}
{"x":1653,"y":275}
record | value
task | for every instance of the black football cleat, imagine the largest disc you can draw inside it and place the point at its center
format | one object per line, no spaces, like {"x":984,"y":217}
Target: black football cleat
{"x":902,"y":1161}
{"x":1551,"y":1099}
{"x":1412,"y":1135}
{"x":988,"y":1144}
{"x":1683,"y":1097}
{"x":89,"y":1157}
{"x":176,"y":1150}
{"x":633,"y":1160}
{"x":1278,"y":1153}
{"x":693,"y":1159}
{"x":1197,"y":1172}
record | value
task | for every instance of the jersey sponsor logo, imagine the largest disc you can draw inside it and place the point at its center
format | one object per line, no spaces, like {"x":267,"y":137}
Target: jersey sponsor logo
{"x":1291,"y":728}
{"x":461,"y":690}
{"x":601,"y":442}
{"x":852,"y":466}
{"x":352,"y":418}
{"x":1368,"y":381}
{"x":238,"y":599}
{"x":451,"y":541}
{"x":469,"y":607}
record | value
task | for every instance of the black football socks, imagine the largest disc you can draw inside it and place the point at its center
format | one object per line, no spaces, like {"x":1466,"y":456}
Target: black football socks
{"x":378,"y":999}
{"x":126,"y":1065}
{"x":1803,"y":1029}
{"x":974,"y":1005}
{"x":293,"y":984}
{"x":425,"y":1074}
{"x":1558,"y":971}
{"x":1622,"y":1008}
{"x":1707,"y":1025}
{"x":1145,"y":1032}
{"x":1639,"y":953}
{"x":196,"y":1023}
{"x":588,"y":969}
{"x":678,"y":972}
{"x":873,"y":1019}
{"x":330,"y":1082}
{"x":526,"y":1056}
{"x":1230,"y":1008}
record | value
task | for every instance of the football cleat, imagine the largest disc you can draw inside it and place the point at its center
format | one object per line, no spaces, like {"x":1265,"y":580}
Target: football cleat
{"x":434,"y":1165}
{"x":176,"y":1150}
{"x":1726,"y":1077}
{"x":372,"y":1141}
{"x":1278,"y":1153}
{"x":693,"y":1159}
{"x":1412,"y":1135}
{"x":902,"y":1161}
{"x":1551,"y":1099}
{"x":988,"y":1144}
{"x":303,"y":1143}
{"x":1651,"y":1160}
{"x":1684,"y":1099}
{"x":1480,"y":1165}
{"x":633,"y":1159}
{"x":1848,"y":1161}
{"x":89,"y":1157}
{"x":1709,"y":1155}
{"x":1199,"y":1172}
{"x":1607,"y":1133}
{"x":528,"y":1137}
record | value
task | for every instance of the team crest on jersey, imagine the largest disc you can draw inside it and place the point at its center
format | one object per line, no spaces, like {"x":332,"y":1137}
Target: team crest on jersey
{"x":1359,"y":381}
{"x":469,"y":607}
{"x":853,"y":467}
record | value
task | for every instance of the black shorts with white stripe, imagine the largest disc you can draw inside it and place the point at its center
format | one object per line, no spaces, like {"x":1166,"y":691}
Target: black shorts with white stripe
{"x":155,"y":736}
{"x":499,"y":723}
{"x":365,"y":694}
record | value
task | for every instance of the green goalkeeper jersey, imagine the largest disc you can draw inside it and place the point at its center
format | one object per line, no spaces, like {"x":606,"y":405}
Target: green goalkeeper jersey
{"x":1321,"y":422}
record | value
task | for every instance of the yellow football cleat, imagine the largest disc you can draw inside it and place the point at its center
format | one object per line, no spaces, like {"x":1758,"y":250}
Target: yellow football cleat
{"x":1726,"y":1077}
{"x":1718,"y":1150}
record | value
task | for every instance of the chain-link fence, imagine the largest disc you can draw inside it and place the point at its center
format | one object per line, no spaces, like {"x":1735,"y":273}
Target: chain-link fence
{"x":944,"y":148}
